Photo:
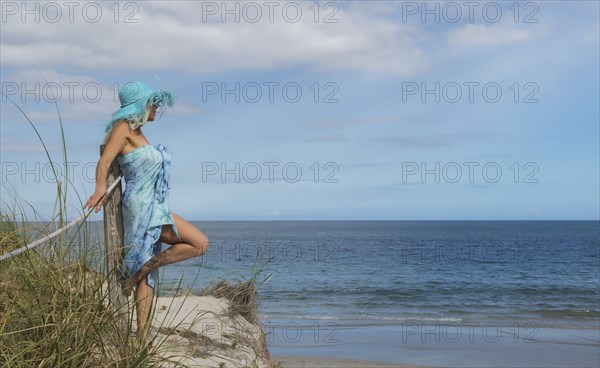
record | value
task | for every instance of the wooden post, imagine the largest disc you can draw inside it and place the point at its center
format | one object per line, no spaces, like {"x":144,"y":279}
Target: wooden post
{"x":113,"y":239}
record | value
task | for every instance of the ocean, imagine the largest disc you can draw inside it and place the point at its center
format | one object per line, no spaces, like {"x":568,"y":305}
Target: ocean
{"x":542,"y":273}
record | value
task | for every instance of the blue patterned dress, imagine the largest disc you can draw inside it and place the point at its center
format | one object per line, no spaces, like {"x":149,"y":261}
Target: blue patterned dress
{"x":146,"y":171}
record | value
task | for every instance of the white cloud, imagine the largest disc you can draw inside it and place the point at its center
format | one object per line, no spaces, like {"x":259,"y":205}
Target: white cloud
{"x":173,"y":36}
{"x":433,"y":141}
{"x":365,"y":121}
{"x":80,"y":97}
{"x":478,"y":35}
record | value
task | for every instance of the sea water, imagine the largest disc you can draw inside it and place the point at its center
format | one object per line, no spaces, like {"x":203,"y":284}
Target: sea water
{"x":390,"y":272}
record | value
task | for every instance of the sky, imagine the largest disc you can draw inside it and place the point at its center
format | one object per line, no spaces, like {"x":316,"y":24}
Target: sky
{"x":304,"y":110}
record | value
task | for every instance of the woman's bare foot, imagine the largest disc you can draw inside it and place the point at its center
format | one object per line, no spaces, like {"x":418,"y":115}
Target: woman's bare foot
{"x":127,"y":286}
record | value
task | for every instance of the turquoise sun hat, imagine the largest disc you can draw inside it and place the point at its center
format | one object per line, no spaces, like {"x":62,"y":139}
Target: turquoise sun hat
{"x":135,"y":97}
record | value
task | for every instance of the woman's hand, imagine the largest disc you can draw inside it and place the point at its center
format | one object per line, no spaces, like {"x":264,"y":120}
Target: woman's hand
{"x":95,"y":197}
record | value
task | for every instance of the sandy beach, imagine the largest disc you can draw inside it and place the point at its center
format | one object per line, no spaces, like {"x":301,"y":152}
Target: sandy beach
{"x":319,"y":362}
{"x":200,"y":331}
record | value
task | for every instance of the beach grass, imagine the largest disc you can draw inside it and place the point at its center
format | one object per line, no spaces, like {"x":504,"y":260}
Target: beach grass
{"x":54,"y":310}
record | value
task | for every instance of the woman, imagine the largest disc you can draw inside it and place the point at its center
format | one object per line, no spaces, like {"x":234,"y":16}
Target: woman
{"x":147,"y":220}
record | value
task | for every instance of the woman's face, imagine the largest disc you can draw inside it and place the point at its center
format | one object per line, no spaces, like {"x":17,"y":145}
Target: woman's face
{"x":152,"y":112}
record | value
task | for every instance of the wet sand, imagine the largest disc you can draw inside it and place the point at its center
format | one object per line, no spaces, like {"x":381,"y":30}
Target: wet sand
{"x":321,"y":362}
{"x":439,"y":346}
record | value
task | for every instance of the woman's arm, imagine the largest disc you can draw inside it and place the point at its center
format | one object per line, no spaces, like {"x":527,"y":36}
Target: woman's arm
{"x":117,"y":140}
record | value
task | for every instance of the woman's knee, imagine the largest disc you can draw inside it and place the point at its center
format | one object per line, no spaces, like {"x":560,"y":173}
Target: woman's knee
{"x":192,"y":235}
{"x":201,"y":243}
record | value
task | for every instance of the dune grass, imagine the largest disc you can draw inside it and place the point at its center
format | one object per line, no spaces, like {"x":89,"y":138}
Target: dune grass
{"x":55,"y":314}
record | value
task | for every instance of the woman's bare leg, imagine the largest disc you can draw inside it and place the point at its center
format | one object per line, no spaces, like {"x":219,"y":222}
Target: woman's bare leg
{"x":193,"y":243}
{"x":143,"y":305}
